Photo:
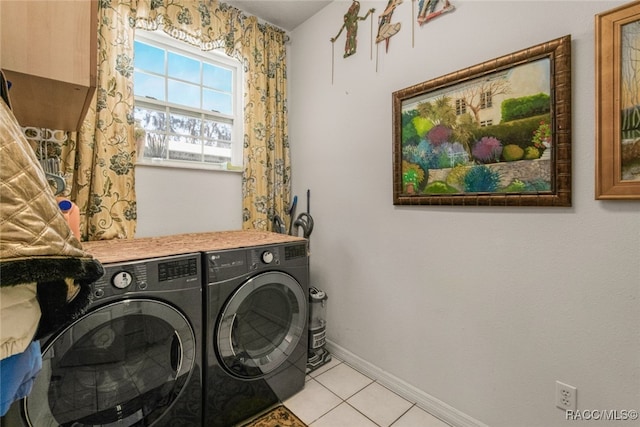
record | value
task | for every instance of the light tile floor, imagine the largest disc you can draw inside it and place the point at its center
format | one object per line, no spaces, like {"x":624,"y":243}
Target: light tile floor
{"x":336,"y":395}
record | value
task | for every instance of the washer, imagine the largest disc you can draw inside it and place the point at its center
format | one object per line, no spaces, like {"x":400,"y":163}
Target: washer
{"x":256,"y":311}
{"x":134,"y":358}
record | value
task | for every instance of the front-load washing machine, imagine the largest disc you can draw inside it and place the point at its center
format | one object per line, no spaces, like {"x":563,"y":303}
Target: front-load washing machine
{"x":256,"y":305}
{"x":134,"y":358}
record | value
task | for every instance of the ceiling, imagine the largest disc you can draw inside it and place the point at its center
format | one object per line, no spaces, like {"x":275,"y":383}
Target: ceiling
{"x":286,"y":14}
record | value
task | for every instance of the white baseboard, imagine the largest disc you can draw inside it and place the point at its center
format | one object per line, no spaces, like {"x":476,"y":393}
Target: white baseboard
{"x":423,"y":400}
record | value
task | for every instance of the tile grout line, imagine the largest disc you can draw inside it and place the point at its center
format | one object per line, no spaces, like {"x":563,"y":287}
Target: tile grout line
{"x":322,"y":385}
{"x":364,"y":415}
{"x":314,"y":378}
{"x":345,"y":400}
{"x":381,"y":385}
{"x":342,"y":400}
{"x":404,"y":413}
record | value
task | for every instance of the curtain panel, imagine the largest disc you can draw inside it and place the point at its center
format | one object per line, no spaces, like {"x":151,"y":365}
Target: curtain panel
{"x":101,"y":157}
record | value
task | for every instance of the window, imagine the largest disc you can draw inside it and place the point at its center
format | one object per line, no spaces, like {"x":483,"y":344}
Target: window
{"x":188,"y":102}
{"x":485,"y":123}
{"x":486,"y":100}
{"x":461,"y":107}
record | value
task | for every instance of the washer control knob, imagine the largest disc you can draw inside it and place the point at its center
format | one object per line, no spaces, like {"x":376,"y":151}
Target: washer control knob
{"x":267,"y":257}
{"x":121,"y":279}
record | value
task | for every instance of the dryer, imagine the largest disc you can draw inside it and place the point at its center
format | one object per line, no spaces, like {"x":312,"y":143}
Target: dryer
{"x":256,"y":314}
{"x":134,"y":357}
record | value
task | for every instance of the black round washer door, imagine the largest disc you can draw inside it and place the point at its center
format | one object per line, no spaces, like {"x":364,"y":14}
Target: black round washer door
{"x":122,"y":364}
{"x":261,"y":324}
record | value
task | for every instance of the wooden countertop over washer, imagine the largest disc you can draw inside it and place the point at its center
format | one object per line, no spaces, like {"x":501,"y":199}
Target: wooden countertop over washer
{"x":121,"y":250}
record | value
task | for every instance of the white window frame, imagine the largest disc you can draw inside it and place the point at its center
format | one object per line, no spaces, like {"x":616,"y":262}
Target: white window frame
{"x":217,"y":57}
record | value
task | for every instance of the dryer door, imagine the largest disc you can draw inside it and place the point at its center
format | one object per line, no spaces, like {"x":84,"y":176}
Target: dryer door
{"x":122,"y":364}
{"x":261,"y":324}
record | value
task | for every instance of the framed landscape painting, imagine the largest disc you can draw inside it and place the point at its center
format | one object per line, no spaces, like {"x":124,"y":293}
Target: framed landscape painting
{"x":618,"y":103}
{"x":497,"y":133}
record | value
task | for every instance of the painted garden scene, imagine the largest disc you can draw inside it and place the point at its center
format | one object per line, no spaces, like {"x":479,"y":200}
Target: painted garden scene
{"x":496,"y":134}
{"x":630,"y":102}
{"x":488,"y":135}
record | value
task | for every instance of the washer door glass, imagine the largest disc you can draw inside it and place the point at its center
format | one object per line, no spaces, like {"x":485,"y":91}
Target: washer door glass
{"x":261,"y":324}
{"x":122,"y":364}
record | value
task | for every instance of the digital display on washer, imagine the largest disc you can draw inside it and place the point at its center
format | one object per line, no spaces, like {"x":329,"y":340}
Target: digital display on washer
{"x":170,"y":270}
{"x":296,"y":251}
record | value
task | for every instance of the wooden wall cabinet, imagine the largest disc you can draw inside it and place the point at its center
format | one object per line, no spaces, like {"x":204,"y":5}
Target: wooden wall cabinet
{"x":48,"y":51}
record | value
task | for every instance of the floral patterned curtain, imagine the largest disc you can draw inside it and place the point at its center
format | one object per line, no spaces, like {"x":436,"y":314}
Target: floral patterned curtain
{"x":209,"y":25}
{"x":101,"y":156}
{"x":267,"y":165}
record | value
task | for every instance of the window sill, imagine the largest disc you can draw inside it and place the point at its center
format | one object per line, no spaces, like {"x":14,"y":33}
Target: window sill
{"x":223,"y":167}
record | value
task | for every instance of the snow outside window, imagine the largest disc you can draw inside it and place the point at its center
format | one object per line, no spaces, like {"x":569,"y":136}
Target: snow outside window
{"x":188,"y":103}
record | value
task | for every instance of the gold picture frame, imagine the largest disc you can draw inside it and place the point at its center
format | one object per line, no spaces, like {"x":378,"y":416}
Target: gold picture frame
{"x":618,"y":103}
{"x":494,"y":134}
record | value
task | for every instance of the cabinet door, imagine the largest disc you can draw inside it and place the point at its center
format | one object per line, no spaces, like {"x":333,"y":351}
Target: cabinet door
{"x":48,"y":53}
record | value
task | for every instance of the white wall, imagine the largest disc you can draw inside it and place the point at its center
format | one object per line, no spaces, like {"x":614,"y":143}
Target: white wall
{"x":481,"y":308}
{"x":174,"y":201}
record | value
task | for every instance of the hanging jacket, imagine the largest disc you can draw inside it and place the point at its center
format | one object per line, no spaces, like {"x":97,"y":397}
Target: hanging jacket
{"x":37,"y":249}
{"x":36,"y":244}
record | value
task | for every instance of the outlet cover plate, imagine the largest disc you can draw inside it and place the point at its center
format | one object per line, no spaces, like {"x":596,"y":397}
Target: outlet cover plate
{"x":566,"y":396}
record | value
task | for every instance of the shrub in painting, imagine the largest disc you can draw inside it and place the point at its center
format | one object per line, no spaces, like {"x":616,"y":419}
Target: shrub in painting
{"x":438,"y":135}
{"x":481,"y":179}
{"x":512,"y":152}
{"x":487,"y":150}
{"x":440,"y":187}
{"x":531,"y":153}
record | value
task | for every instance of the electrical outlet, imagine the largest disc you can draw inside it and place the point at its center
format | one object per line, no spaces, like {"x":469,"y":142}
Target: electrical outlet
{"x":566,"y":396}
